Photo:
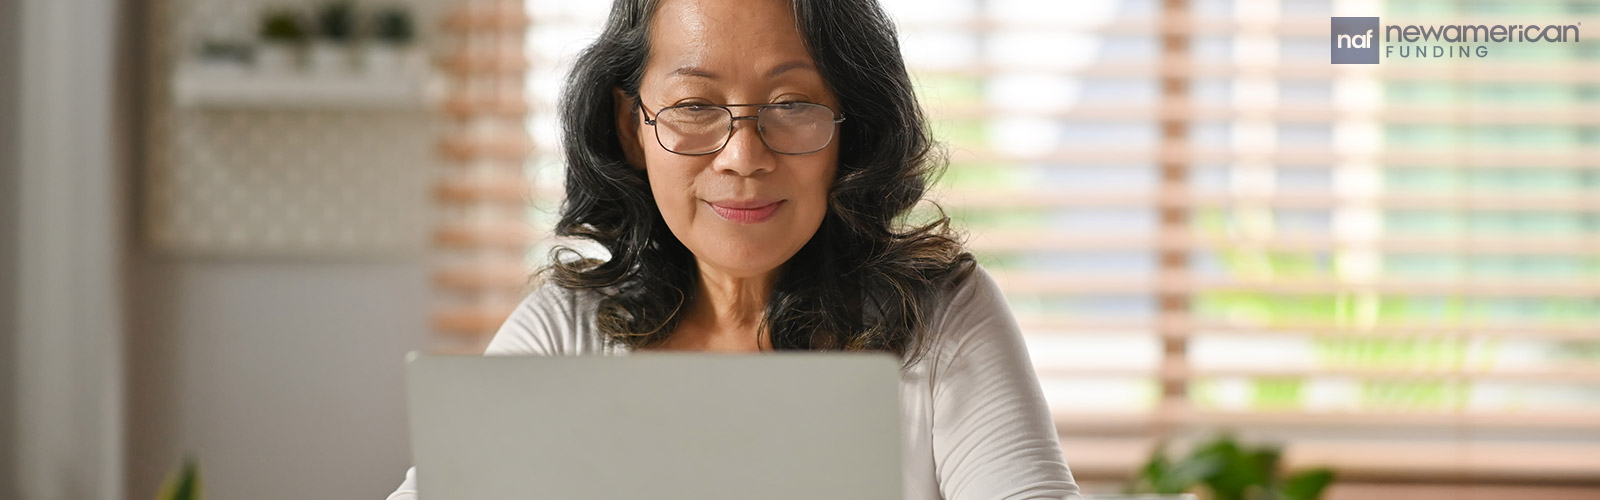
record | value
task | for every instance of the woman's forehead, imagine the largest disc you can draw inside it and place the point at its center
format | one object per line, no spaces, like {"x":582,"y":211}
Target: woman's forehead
{"x":722,"y":40}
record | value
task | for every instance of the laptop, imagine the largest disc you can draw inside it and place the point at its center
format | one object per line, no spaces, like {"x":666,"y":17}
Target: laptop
{"x":658,"y":426}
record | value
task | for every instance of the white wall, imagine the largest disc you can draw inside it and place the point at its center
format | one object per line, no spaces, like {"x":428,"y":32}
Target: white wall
{"x":282,"y":377}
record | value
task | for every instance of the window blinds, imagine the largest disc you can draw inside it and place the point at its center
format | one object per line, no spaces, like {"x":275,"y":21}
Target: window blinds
{"x":1204,"y":225}
{"x":483,"y":234}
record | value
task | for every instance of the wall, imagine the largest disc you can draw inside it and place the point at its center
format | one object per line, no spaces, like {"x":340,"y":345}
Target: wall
{"x":8,"y":239}
{"x":281,"y":375}
{"x":66,"y":340}
{"x":229,"y":177}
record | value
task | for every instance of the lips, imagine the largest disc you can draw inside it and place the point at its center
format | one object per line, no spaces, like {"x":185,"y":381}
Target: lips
{"x":745,"y":211}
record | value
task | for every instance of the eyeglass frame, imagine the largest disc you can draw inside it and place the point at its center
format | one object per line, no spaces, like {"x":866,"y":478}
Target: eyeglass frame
{"x":734,"y":121}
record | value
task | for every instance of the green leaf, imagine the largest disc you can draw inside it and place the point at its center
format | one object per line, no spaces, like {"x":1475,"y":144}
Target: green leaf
{"x":1307,"y":484}
{"x":1264,"y":463}
{"x":1241,"y":472}
{"x":1228,"y":470}
{"x":1153,"y":474}
{"x":1190,"y":472}
{"x":183,"y":483}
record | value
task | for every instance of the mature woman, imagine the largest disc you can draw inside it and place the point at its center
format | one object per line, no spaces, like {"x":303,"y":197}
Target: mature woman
{"x":746,"y":163}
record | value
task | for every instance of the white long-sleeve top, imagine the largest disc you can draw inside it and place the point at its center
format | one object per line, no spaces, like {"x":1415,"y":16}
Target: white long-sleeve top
{"x":975,"y":421}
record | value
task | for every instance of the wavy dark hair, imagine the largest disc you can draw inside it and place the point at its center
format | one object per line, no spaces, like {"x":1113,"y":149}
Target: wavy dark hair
{"x":863,"y":282}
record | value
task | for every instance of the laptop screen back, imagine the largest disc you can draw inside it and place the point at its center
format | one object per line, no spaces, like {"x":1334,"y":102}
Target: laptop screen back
{"x":660,"y":426}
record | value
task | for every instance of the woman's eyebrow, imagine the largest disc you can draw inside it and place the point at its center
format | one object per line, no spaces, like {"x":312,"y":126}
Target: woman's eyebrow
{"x":698,"y":72}
{"x":693,"y":71}
{"x":788,"y":66}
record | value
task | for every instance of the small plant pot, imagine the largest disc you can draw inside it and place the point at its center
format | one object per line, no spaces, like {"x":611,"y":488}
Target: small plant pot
{"x":221,"y":56}
{"x":382,"y":58}
{"x":276,"y":57}
{"x":331,"y":58}
{"x":390,"y":59}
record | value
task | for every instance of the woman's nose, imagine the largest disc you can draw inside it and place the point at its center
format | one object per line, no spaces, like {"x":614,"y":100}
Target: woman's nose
{"x":745,"y":154}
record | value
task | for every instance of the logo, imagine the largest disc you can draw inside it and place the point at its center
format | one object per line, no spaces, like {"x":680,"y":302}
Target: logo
{"x":1355,"y":40}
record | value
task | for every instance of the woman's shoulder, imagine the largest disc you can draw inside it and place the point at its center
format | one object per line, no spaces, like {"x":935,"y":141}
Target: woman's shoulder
{"x":972,"y":308}
{"x":550,"y":320}
{"x":974,"y":291}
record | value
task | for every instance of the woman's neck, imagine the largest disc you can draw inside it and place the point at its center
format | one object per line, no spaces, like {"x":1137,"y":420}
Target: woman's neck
{"x":727,"y":310}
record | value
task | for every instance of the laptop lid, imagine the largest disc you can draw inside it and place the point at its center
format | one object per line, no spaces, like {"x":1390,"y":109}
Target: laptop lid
{"x":662,"y":426}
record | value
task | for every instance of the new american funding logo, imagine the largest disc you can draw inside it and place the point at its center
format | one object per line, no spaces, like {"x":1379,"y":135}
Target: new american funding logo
{"x":1356,"y":40}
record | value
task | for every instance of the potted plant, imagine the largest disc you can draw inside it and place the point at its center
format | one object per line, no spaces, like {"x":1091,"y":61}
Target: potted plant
{"x":393,"y":36}
{"x":336,"y":33}
{"x":282,"y":35}
{"x":1224,"y":469}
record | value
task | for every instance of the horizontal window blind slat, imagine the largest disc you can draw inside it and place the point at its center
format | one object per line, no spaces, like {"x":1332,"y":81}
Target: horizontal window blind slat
{"x":1179,"y":370}
{"x":509,"y":61}
{"x":1378,"y":460}
{"x":1055,"y":282}
{"x":1446,"y":113}
{"x":1041,"y":325}
{"x":1113,"y":423}
{"x":1018,"y":240}
{"x":464,"y":104}
{"x":487,"y":17}
{"x":1578,"y":157}
{"x":497,"y":276}
{"x":1064,"y":198}
{"x":492,"y":234}
{"x":1195,"y":69}
{"x":503,"y":189}
{"x":465,"y":147}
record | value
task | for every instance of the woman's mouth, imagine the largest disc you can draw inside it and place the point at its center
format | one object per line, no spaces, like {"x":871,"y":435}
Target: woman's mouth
{"x":745,"y":212}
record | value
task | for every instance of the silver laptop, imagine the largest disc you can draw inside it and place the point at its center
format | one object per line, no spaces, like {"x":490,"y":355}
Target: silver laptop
{"x":658,"y":426}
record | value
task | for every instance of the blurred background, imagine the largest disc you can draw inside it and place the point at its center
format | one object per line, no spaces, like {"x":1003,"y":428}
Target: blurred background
{"x":223,"y":222}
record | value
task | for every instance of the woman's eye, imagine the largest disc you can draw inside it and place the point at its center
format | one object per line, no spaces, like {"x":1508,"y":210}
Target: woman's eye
{"x":788,"y":109}
{"x":696,"y":114}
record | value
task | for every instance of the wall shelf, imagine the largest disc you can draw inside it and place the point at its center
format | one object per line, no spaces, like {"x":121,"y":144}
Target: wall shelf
{"x":196,"y":86}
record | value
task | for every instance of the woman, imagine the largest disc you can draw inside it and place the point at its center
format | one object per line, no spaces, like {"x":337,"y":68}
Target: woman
{"x":745,"y":163}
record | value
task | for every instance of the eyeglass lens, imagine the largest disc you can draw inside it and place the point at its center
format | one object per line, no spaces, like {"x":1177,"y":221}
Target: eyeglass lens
{"x":789,"y":128}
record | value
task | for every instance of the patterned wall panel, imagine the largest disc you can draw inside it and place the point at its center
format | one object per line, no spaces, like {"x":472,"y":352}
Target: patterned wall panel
{"x":280,"y":180}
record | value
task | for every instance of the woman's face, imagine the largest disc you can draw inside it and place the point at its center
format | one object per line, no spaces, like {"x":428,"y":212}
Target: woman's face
{"x":744,"y":210}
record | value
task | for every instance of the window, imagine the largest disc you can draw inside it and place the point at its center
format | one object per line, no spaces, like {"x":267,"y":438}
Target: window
{"x":1203,"y":224}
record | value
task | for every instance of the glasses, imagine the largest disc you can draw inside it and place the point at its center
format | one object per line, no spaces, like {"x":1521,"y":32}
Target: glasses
{"x":790,"y":128}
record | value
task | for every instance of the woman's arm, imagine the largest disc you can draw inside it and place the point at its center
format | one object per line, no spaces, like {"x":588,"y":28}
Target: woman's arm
{"x":993,"y":437}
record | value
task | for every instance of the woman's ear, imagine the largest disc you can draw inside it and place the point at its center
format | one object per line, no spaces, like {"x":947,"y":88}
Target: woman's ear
{"x":628,"y":128}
